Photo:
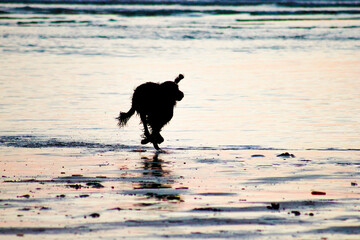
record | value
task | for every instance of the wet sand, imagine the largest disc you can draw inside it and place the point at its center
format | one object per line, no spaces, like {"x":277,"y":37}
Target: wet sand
{"x":137,"y":193}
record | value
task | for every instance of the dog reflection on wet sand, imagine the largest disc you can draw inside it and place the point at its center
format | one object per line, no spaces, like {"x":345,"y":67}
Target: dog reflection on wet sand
{"x":153,"y":168}
{"x":155,"y":104}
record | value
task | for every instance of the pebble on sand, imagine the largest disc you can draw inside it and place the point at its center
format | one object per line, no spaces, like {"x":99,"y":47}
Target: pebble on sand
{"x":94,"y":215}
{"x":318,"y":193}
{"x":274,"y":206}
{"x":24,"y":196}
{"x":286,"y":155}
{"x":296,"y":213}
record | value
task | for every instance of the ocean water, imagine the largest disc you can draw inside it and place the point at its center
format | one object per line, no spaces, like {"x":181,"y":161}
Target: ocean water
{"x":261,"y":78}
{"x":267,"y":75}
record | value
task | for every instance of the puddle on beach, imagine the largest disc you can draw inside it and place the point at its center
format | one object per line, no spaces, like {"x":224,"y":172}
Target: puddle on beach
{"x":67,"y":192}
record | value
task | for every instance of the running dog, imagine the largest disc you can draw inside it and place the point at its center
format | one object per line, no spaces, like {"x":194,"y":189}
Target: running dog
{"x":155,"y":103}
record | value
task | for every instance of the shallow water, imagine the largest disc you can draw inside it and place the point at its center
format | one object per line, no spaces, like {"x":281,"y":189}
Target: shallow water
{"x":259,"y":81}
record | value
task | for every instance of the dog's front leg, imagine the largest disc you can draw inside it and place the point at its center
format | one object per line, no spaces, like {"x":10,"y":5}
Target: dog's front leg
{"x":156,"y":138}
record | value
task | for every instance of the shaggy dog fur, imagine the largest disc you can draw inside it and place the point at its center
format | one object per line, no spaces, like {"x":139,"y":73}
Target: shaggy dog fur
{"x":155,"y":104}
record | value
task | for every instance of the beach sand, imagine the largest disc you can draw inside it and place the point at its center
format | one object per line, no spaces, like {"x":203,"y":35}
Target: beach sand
{"x":82,"y":193}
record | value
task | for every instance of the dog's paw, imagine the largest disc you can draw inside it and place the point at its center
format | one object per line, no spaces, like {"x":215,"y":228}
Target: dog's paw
{"x":145,"y":141}
{"x":154,"y":139}
{"x":159,"y":139}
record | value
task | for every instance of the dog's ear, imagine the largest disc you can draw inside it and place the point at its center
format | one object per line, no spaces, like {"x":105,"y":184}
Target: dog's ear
{"x":178,"y":79}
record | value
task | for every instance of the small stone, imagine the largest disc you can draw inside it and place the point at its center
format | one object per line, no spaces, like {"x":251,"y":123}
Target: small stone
{"x":286,"y":155}
{"x":24,"y":196}
{"x":296,"y":213}
{"x":116,"y":208}
{"x":274,"y":206}
{"x":95,"y":184}
{"x":318,"y":193}
{"x":25,"y":209}
{"x":76,"y":186}
{"x":94,"y":215}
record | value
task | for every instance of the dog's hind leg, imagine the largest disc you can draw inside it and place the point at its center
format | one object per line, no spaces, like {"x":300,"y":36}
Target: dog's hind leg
{"x":146,"y":130}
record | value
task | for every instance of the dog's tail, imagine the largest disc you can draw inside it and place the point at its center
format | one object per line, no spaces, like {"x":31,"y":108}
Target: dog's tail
{"x":124,"y":117}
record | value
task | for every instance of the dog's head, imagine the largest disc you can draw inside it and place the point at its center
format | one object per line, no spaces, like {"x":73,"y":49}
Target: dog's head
{"x":172,"y":89}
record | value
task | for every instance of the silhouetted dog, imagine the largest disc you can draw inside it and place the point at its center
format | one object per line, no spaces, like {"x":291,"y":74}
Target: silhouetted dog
{"x":155,"y":104}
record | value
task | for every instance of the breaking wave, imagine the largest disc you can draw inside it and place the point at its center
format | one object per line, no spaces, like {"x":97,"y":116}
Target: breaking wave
{"x":161,"y":10}
{"x":28,"y":141}
{"x":291,"y":3}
